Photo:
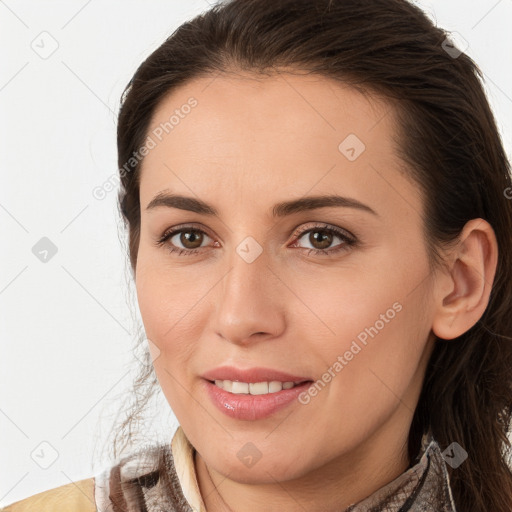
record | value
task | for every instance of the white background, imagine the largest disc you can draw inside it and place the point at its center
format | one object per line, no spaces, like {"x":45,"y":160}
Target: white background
{"x":65,"y":324}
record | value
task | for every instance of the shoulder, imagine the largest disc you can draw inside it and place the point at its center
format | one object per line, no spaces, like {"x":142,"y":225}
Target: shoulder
{"x":73,"y":497}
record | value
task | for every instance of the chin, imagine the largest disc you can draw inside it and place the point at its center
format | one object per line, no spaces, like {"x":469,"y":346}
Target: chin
{"x":264,"y":471}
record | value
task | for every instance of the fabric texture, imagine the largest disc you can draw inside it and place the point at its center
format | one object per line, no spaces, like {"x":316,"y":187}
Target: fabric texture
{"x":134,"y":484}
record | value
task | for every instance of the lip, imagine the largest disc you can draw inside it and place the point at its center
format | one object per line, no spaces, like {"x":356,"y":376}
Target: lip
{"x":256,"y":374}
{"x":249,"y":407}
{"x":253,"y":407}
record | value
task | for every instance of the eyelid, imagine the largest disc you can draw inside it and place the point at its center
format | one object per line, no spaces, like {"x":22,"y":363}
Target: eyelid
{"x":323,"y":226}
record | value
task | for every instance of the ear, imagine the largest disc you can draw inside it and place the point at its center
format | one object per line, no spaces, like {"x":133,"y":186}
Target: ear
{"x":463,"y":290}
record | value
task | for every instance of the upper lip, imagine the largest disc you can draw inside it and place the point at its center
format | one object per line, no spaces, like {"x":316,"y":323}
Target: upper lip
{"x":255,"y":374}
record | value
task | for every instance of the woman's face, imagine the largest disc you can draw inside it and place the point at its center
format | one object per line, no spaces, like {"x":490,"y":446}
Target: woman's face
{"x":246,"y":290}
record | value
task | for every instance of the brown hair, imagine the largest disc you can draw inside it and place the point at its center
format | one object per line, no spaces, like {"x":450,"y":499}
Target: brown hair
{"x":448,"y":138}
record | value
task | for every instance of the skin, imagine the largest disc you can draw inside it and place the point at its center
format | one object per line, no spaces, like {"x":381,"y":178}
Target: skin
{"x":249,"y":144}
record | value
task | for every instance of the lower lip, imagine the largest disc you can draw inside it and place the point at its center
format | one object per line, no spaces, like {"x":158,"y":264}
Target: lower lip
{"x":253,"y":407}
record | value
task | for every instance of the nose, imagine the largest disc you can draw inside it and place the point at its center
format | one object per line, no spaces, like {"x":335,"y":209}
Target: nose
{"x":250,"y":303}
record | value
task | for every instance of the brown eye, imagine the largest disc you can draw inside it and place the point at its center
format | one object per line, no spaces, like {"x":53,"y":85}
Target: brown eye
{"x":322,"y":238}
{"x":183,"y":241}
{"x":191,"y":239}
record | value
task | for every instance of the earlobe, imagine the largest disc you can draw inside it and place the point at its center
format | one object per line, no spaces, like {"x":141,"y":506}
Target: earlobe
{"x":468,"y":280}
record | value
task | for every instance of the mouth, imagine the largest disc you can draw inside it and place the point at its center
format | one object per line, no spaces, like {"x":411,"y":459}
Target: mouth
{"x":252,"y":401}
{"x":255,"y":393}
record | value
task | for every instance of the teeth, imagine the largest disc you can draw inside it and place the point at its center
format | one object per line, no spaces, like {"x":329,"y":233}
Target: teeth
{"x":274,"y":386}
{"x":253,"y":388}
{"x":240,"y":387}
{"x":258,"y":388}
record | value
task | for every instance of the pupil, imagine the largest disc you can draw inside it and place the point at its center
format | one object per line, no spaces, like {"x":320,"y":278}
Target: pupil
{"x":191,"y":237}
{"x":325,"y":240}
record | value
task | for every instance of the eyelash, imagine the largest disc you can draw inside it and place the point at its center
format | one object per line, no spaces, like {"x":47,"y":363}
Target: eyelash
{"x":348,"y":240}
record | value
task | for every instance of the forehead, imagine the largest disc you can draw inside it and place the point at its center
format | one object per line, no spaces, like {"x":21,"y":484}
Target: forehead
{"x":252,"y":138}
{"x":296,"y":108}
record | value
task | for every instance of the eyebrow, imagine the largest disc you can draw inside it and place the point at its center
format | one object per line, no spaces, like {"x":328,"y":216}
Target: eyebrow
{"x":282,"y":209}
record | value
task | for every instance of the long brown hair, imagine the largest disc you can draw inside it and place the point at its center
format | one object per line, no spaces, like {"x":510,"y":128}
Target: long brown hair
{"x":447,"y":136}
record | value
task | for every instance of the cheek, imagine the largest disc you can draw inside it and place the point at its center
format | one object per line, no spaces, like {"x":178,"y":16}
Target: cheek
{"x":377,"y":352}
{"x":373,"y":320}
{"x":337,"y":307}
{"x":170,"y":324}
{"x":166,"y":300}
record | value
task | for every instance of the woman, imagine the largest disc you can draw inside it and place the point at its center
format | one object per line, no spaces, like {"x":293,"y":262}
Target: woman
{"x":316,"y":197}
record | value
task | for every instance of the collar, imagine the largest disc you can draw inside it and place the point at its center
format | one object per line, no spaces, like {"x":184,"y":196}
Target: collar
{"x":183,"y":455}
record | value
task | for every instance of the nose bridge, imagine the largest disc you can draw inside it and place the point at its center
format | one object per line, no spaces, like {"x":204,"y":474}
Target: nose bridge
{"x":245,"y":281}
{"x":247,"y":304}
